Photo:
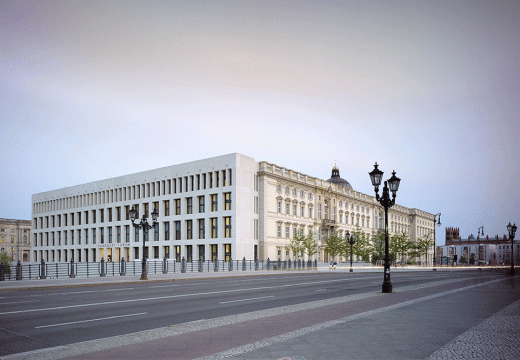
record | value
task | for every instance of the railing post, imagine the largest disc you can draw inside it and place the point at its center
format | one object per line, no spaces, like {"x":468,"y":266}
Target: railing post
{"x":244,"y":264}
{"x":165,"y":266}
{"x":183,"y":265}
{"x":216,"y":265}
{"x":102,"y":272}
{"x":122,"y":267}
{"x":200,"y":265}
{"x":256,"y":264}
{"x":230,"y":264}
{"x":42,"y":270}
{"x":19,"y":271}
{"x":72,"y":274}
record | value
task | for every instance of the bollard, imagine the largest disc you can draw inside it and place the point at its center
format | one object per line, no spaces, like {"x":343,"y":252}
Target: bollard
{"x":102,"y":272}
{"x":19,"y":271}
{"x":122,"y":267}
{"x":72,"y":274}
{"x":165,"y":266}
{"x":244,"y":264}
{"x":42,"y":270}
{"x":200,"y":265}
{"x":183,"y":265}
{"x":230,"y":264}
{"x":2,"y":276}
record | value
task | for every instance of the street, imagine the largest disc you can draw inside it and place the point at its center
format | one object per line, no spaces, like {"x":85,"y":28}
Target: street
{"x":426,"y":311}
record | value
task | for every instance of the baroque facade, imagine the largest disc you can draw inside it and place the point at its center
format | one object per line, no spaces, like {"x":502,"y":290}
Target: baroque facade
{"x":226,"y":207}
{"x":15,"y":239}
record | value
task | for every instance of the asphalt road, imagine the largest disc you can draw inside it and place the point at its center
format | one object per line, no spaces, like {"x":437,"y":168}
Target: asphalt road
{"x":36,"y":319}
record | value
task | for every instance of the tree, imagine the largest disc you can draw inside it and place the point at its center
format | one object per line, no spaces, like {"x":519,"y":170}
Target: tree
{"x":309,"y":243}
{"x":423,"y":245}
{"x":472,"y":259}
{"x":378,"y":246}
{"x":296,"y":245}
{"x":6,"y":260}
{"x":362,"y":248}
{"x":399,"y":246}
{"x":334,"y":244}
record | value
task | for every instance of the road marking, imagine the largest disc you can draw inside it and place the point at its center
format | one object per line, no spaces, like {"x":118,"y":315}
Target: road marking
{"x":84,"y":321}
{"x":172,"y":296}
{"x":18,"y":302}
{"x":232,"y":301}
{"x":163,"y":286}
{"x":119,"y":289}
{"x":322,"y":290}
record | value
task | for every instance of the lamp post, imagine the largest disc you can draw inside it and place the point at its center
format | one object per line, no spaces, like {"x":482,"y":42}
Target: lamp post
{"x":392,"y":185}
{"x":512,"y":231}
{"x":351,"y":239}
{"x":435,"y":239}
{"x":146,"y":226}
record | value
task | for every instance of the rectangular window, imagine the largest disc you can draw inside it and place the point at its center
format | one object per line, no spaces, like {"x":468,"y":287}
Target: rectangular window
{"x":109,"y":214}
{"x":93,"y":216}
{"x":110,"y":235}
{"x":227,"y":201}
{"x":214,"y":252}
{"x":214,"y":228}
{"x":294,"y":210}
{"x":86,"y":217}
{"x":287,"y":209}
{"x":177,"y":253}
{"x":287,"y":231}
{"x":189,"y":205}
{"x":189,"y":229}
{"x":227,"y":226}
{"x":279,"y":207}
{"x":93,"y":236}
{"x":279,"y":233}
{"x":201,"y":229}
{"x":166,"y":230}
{"x":102,"y":215}
{"x":127,"y":233}
{"x":227,"y":252}
{"x":86,"y":236}
{"x":201,"y":204}
{"x":156,"y":232}
{"x":166,"y":207}
{"x":177,"y":206}
{"x":177,"y":230}
{"x":214,"y":202}
{"x":118,"y":213}
{"x":302,"y":211}
{"x":136,"y":235}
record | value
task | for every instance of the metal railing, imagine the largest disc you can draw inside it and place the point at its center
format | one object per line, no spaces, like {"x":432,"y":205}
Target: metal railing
{"x":73,"y":269}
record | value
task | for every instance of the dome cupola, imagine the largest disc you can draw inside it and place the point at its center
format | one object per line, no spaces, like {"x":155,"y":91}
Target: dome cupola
{"x":337,"y":180}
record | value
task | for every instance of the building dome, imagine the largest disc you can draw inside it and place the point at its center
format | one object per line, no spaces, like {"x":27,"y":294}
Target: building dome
{"x":335,"y":179}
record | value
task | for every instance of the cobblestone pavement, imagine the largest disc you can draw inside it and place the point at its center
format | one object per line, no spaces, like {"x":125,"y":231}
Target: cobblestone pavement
{"x":497,"y":337}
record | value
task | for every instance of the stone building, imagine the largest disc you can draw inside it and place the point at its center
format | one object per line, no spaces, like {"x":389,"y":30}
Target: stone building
{"x":15,"y":239}
{"x":223,"y":207}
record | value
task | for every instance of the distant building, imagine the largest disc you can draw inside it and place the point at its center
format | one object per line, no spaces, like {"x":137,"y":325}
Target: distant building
{"x":225,"y":207}
{"x":485,"y":250}
{"x":15,"y":239}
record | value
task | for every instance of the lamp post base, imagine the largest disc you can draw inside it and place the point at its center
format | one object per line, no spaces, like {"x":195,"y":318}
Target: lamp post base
{"x":387,"y":288}
{"x":512,"y":271}
{"x":351,"y":270}
{"x":144,"y":276}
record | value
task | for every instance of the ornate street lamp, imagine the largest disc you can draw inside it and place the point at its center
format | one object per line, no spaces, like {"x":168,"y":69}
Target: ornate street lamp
{"x":435,"y":239}
{"x":351,"y":239}
{"x":392,"y":185}
{"x":512,"y":231}
{"x":143,"y":225}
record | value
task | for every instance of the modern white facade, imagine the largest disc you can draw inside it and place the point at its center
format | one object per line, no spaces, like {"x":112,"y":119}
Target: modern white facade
{"x":224,"y":207}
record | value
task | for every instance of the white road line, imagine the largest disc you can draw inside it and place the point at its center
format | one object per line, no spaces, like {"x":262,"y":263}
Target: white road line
{"x":170,"y":297}
{"x":163,"y":286}
{"x":119,"y":289}
{"x":232,"y":301}
{"x":19,"y":302}
{"x":322,"y":290}
{"x":84,"y":321}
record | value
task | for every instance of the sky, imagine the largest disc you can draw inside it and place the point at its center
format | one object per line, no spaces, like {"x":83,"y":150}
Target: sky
{"x":430,"y":89}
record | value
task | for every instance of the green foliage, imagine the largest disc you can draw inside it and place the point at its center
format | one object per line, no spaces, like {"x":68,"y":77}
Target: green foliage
{"x":362,"y":247}
{"x":6,"y":260}
{"x":334,"y":244}
{"x":378,"y":246}
{"x":462,"y":260}
{"x":472,"y":259}
{"x":399,"y":246}
{"x":423,"y":245}
{"x":310,"y":244}
{"x":296,"y":245}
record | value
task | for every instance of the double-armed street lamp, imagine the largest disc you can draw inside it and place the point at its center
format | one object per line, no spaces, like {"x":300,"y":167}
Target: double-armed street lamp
{"x":146,"y":226}
{"x":438,"y":221}
{"x":392,"y":185}
{"x":512,"y":231}
{"x":351,"y":239}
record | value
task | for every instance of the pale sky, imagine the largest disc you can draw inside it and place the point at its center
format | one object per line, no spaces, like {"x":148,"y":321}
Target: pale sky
{"x":430,"y":89}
